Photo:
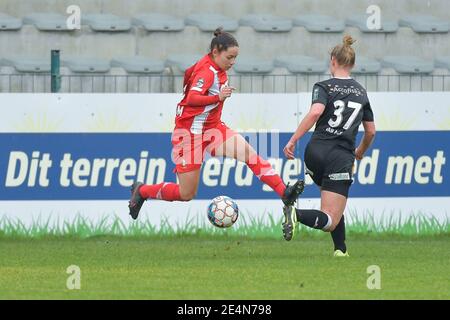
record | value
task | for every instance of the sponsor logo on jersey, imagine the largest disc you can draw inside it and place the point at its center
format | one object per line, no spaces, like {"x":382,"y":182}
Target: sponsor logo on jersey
{"x":316,"y":94}
{"x":200,"y":83}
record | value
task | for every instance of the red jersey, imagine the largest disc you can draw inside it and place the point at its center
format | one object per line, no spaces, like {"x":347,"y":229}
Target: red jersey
{"x":203,"y":80}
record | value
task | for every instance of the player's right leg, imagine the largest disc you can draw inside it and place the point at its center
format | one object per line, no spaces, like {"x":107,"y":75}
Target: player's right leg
{"x":167,"y":191}
{"x":290,"y":222}
{"x":313,"y":160}
{"x":325,"y":219}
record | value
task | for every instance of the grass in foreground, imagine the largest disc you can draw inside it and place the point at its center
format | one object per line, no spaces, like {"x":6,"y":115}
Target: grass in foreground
{"x":193,"y":267}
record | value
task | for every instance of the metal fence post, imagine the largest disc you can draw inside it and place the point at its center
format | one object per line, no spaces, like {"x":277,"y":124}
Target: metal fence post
{"x":55,"y":72}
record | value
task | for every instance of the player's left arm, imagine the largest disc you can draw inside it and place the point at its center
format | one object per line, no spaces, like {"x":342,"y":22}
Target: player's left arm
{"x":369,"y":132}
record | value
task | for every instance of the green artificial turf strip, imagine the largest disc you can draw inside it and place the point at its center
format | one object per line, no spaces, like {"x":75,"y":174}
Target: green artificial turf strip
{"x":256,"y":227}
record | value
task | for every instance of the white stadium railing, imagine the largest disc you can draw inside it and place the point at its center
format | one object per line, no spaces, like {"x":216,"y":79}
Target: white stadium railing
{"x":100,"y":83}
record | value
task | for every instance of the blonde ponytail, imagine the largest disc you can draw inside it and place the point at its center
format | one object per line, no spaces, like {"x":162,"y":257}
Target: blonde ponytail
{"x":344,"y":53}
{"x":348,"y":41}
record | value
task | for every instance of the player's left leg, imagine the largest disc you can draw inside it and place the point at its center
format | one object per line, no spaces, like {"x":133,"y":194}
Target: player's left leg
{"x":338,"y":236}
{"x":333,"y":205}
{"x":236,"y":147}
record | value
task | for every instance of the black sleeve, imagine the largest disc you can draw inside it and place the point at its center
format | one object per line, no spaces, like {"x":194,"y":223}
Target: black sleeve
{"x":319,"y":95}
{"x":368,"y":113}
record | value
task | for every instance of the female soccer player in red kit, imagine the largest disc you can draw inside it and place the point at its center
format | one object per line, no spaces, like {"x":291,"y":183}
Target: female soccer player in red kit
{"x":198,"y":128}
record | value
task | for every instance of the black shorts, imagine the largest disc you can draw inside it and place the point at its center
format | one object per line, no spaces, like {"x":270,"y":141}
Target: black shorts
{"x":330,"y":166}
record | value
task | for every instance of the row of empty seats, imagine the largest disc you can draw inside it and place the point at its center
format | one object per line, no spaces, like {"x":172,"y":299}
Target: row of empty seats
{"x":209,"y":22}
{"x":179,"y":63}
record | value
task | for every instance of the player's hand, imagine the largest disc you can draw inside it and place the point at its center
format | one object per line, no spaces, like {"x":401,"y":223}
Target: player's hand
{"x":225,"y":92}
{"x":358,"y":154}
{"x":289,"y":150}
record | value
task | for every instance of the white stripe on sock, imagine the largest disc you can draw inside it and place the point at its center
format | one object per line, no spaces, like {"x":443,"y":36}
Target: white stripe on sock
{"x":329,"y":223}
{"x":159,"y":193}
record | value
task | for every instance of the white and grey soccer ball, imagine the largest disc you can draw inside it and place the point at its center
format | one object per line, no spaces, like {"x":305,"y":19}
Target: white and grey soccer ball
{"x":223,"y":212}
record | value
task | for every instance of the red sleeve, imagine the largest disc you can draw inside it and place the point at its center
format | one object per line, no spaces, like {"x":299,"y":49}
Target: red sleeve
{"x":187,"y":75}
{"x":196,"y":99}
{"x":198,"y":92}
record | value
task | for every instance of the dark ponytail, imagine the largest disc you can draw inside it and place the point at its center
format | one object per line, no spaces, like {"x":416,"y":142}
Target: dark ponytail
{"x":222,"y":40}
{"x":218,"y":32}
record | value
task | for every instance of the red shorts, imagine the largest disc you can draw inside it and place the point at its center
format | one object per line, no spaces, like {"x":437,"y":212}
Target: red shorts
{"x":189,"y":149}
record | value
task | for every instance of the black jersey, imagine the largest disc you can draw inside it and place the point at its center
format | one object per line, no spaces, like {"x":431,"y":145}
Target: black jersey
{"x":346,"y":106}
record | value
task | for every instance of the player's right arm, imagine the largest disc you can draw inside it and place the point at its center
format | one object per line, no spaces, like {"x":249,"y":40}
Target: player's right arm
{"x":198,"y":92}
{"x":307,"y":123}
{"x":319,"y":101}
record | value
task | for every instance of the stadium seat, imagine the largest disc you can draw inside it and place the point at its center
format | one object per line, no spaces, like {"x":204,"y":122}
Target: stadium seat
{"x":443,"y":62}
{"x":360,"y":22}
{"x":182,"y":61}
{"x":301,"y":64}
{"x":47,"y":21}
{"x":27,"y":64}
{"x":139,"y":64}
{"x":210,"y":22}
{"x":425,"y":24}
{"x":319,"y":23}
{"x":253,"y":65}
{"x":408,"y":64}
{"x":86,"y":65}
{"x":9,"y":23}
{"x":266,"y":23}
{"x":106,"y":22}
{"x":158,"y":22}
{"x":365,"y":65}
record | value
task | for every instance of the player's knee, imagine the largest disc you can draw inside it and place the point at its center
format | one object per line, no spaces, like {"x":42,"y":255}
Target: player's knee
{"x":188,"y":195}
{"x":331,"y":223}
{"x":332,"y":227}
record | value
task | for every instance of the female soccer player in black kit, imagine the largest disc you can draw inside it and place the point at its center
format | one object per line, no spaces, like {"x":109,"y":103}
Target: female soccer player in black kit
{"x":339,"y":106}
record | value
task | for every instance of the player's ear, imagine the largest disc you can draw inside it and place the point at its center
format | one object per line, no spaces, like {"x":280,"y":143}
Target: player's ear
{"x":215,"y":52}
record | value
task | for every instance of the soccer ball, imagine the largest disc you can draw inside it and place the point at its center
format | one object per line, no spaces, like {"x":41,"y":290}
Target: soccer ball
{"x":222,"y":212}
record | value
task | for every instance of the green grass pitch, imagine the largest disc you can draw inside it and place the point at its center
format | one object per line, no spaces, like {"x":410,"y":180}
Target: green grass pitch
{"x":222,"y":267}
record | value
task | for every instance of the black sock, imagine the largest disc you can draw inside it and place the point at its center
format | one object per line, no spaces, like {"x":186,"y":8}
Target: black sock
{"x":338,"y":236}
{"x":313,"y":218}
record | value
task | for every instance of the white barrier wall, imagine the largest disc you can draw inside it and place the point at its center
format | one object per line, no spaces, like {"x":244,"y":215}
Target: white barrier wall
{"x":50,"y":143}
